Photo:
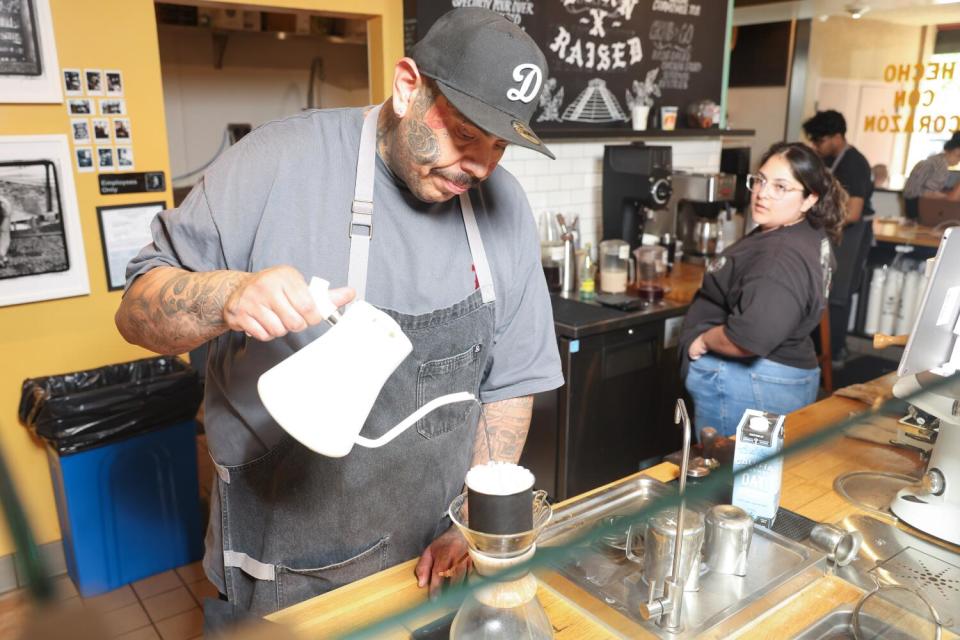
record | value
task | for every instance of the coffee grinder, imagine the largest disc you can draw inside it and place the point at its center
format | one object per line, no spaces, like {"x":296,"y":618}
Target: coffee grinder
{"x":636,"y":183}
{"x":697,"y":203}
{"x":736,"y":161}
{"x":929,"y":379}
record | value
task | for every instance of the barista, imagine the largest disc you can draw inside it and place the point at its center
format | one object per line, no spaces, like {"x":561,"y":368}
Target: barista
{"x":827,"y":134}
{"x":454,"y":259}
{"x":746,"y":338}
{"x":930,"y":177}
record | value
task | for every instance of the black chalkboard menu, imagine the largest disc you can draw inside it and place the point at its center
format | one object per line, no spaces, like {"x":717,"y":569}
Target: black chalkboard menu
{"x":603,"y":55}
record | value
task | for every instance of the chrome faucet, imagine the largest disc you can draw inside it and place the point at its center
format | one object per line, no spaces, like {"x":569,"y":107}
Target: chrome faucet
{"x":666,"y":610}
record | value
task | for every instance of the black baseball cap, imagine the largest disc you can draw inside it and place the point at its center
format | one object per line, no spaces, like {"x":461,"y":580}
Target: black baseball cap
{"x":489,"y":69}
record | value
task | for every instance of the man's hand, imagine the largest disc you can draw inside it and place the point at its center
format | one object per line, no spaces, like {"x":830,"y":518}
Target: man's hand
{"x":697,"y":348}
{"x":446,"y":557}
{"x":273,"y":302}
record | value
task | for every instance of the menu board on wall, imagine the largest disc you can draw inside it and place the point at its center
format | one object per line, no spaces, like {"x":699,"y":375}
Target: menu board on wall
{"x":602,"y":55}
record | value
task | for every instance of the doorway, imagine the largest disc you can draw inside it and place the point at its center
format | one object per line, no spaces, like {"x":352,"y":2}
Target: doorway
{"x":227,"y":71}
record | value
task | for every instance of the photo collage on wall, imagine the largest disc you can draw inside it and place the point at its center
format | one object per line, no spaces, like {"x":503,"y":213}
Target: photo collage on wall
{"x":99,"y":124}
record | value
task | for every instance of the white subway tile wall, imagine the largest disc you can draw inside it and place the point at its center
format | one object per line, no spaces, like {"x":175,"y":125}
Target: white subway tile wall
{"x":571,"y":183}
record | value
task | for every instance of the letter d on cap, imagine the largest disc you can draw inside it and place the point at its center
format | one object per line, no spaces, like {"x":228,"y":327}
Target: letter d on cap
{"x":530,"y":78}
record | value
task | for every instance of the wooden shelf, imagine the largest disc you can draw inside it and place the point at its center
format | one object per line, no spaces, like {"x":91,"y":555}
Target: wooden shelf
{"x":627,"y":133}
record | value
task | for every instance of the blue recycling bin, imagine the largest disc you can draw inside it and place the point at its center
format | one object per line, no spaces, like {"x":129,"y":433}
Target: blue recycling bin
{"x":121,"y":446}
{"x":129,"y":509}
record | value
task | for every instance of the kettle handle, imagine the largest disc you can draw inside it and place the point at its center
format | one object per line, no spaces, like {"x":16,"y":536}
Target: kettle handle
{"x":631,"y":270}
{"x":406,"y":423}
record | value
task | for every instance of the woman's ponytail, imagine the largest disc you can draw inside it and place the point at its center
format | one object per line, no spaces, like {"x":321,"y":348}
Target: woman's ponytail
{"x":830,"y":211}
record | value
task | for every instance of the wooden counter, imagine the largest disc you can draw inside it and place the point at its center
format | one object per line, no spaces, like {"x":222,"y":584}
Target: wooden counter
{"x":807,"y":489}
{"x":683,"y":282}
{"x":896,"y":233}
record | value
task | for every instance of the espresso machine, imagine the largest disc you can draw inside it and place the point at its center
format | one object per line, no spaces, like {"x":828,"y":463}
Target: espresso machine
{"x":636,"y":183}
{"x":699,"y":199}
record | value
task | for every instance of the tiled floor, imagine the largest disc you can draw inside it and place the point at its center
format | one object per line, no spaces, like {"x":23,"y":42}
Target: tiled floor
{"x":167,"y":606}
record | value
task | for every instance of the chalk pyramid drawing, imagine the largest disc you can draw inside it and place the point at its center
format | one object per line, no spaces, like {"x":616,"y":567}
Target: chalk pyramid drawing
{"x":596,"y":103}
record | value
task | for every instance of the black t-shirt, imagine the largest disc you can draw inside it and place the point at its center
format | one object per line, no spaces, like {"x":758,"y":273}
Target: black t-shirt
{"x":853,"y":172}
{"x":769,"y":290}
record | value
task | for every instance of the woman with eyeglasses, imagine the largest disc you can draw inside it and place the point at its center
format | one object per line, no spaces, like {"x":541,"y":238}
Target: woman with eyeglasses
{"x":746,"y":338}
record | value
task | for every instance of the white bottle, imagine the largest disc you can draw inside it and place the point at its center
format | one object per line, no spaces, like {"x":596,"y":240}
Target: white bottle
{"x":891,"y":301}
{"x":908,"y":302}
{"x":875,"y":301}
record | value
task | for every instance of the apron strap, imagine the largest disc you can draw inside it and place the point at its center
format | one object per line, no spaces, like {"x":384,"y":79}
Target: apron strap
{"x":480,"y":262}
{"x":221,"y":470}
{"x":361,"y":218}
{"x":361,"y":212}
{"x":253,"y":568}
{"x":836,"y":162}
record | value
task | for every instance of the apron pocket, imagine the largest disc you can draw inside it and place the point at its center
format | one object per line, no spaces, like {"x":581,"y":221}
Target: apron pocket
{"x":440,"y":377}
{"x":296,"y":585}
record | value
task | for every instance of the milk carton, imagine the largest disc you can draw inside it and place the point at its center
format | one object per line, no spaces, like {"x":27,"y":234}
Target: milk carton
{"x":757,"y":491}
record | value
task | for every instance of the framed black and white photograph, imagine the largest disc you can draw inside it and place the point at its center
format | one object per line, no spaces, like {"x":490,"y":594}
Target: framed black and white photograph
{"x":29,"y":71}
{"x":80,"y":106}
{"x":84,"y":157}
{"x":41,"y":246}
{"x":124,"y":158}
{"x":113,"y":107}
{"x":93,"y":79}
{"x":80,"y":130}
{"x":114,"y":83}
{"x":72,"y":83}
{"x":124,"y":231}
{"x":101,"y":130}
{"x":121,"y":129}
{"x":105,"y":159}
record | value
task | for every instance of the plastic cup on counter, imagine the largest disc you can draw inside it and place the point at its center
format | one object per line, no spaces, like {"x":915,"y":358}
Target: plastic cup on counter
{"x":651,"y":269}
{"x":668,"y":118}
{"x":639,"y":116}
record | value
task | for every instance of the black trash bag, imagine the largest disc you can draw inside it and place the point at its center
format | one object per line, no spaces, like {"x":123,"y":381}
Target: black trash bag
{"x":84,"y":409}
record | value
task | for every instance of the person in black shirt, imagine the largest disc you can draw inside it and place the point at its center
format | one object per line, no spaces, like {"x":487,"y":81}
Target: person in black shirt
{"x":827,"y":133}
{"x":746,"y":337}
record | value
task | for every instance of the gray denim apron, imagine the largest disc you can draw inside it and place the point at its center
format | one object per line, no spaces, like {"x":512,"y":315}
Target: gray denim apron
{"x":851,"y":256}
{"x":296,"y":524}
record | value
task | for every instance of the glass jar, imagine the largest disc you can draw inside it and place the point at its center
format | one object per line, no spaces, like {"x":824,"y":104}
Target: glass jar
{"x":615,"y":267}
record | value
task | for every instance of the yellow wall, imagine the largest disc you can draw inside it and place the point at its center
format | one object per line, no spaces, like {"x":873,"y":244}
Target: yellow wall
{"x":856,"y":49}
{"x":58,"y":336}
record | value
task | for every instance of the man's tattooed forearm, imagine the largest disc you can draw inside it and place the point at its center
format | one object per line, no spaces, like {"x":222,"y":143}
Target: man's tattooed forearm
{"x":507,"y":423}
{"x":200,"y":296}
{"x":180,"y":310}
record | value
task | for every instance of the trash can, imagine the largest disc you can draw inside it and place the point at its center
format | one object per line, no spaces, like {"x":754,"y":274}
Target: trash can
{"x":121,"y":446}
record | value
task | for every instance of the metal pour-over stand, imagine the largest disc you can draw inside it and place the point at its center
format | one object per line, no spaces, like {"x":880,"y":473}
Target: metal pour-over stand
{"x":507,"y":605}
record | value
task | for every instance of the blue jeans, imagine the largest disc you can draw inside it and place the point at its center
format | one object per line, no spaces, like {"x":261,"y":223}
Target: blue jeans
{"x":722,"y":389}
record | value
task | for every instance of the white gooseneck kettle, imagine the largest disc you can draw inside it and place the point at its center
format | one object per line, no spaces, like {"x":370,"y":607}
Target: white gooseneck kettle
{"x":322,"y":394}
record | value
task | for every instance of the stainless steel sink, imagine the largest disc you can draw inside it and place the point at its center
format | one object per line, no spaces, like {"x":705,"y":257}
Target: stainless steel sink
{"x":838,"y":625}
{"x":892,"y":556}
{"x":777,"y":566}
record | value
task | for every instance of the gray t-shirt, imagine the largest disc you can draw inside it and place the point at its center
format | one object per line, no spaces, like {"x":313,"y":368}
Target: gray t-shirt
{"x":282,"y":196}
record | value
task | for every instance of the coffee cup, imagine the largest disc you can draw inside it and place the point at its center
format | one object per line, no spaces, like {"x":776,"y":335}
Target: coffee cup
{"x":668,"y":118}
